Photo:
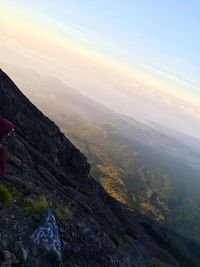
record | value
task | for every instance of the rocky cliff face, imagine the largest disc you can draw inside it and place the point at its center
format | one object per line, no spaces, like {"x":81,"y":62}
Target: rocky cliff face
{"x":45,"y":172}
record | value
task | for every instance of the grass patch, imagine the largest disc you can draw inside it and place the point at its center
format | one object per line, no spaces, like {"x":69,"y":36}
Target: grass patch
{"x":62,"y":212}
{"x":5,"y":194}
{"x":122,"y":241}
{"x":155,"y":263}
{"x":35,"y":205}
{"x":14,"y":192}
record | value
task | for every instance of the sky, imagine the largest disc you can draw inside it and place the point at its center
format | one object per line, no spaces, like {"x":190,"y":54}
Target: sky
{"x":156,"y":39}
{"x":127,"y":44}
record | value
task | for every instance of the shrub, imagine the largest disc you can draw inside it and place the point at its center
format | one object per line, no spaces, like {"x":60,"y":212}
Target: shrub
{"x":122,"y":240}
{"x":41,"y":203}
{"x":155,"y":264}
{"x":28,"y":205}
{"x":5,"y":195}
{"x":62,"y":212}
{"x":35,"y":205}
{"x":14,"y":192}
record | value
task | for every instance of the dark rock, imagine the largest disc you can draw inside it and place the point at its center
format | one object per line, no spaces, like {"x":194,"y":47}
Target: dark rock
{"x":3,"y":245}
{"x":22,"y":254}
{"x":14,"y":259}
{"x":37,"y":217}
{"x":62,"y":231}
{"x":8,"y":262}
{"x":7,"y":255}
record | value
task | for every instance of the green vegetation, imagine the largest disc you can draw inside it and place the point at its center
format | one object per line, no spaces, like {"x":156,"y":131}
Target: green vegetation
{"x":146,"y":180}
{"x":122,"y":241}
{"x":5,"y":194}
{"x":155,"y":263}
{"x":118,"y":165}
{"x":62,"y":212}
{"x":36,"y":205}
{"x":14,"y":192}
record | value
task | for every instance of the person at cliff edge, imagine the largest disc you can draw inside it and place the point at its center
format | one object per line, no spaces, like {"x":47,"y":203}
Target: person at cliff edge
{"x":6,"y":127}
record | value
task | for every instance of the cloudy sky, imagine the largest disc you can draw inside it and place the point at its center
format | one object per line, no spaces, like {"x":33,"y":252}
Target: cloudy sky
{"x":109,"y":48}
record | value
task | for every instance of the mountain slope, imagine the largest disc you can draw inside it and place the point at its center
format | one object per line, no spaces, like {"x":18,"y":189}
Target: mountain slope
{"x":46,"y":91}
{"x":139,"y":166}
{"x":132,"y":160}
{"x":46,"y":170}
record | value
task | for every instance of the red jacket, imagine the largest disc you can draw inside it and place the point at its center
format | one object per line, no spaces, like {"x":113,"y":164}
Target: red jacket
{"x":5,"y":127}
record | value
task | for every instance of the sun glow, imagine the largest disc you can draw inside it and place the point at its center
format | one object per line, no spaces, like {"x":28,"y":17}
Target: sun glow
{"x":33,"y":35}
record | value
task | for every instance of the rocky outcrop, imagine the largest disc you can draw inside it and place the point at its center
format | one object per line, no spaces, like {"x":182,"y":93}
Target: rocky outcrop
{"x":46,"y":171}
{"x":39,"y":131}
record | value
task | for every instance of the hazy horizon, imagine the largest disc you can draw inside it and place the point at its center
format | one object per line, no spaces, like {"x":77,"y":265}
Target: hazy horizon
{"x":148,"y":72}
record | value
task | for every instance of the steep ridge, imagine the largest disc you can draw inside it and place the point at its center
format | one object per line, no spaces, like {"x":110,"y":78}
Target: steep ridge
{"x":47,"y":171}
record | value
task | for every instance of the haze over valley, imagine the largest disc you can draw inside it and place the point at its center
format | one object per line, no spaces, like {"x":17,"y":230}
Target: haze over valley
{"x":121,"y":81}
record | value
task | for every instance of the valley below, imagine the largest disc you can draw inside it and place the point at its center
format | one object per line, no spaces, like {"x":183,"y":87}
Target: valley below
{"x":153,"y":173}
